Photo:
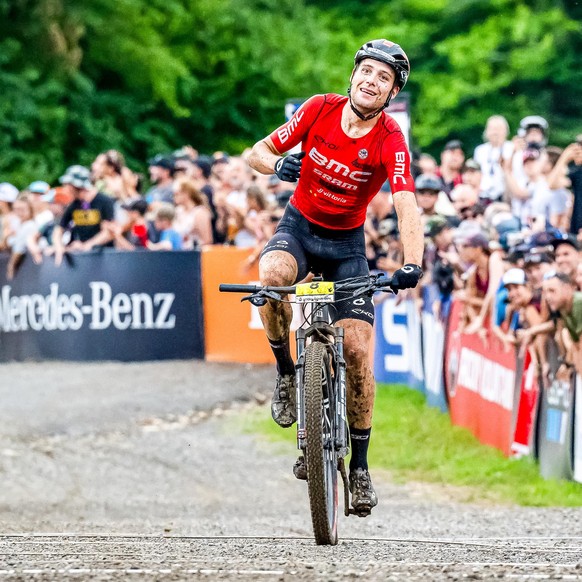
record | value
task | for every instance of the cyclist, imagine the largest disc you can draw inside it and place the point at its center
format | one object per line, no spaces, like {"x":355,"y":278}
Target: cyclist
{"x":350,"y":147}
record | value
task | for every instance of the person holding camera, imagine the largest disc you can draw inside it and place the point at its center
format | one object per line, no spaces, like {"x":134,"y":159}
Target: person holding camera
{"x":569,"y":164}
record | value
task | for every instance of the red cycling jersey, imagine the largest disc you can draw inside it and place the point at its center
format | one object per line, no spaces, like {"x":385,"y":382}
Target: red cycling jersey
{"x":340,"y":174}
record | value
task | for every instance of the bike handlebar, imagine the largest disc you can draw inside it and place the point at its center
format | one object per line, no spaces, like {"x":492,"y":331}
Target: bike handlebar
{"x":372,"y":283}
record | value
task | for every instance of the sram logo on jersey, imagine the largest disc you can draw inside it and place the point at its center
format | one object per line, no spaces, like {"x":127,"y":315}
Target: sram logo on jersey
{"x":338,"y":169}
{"x":287,"y":131}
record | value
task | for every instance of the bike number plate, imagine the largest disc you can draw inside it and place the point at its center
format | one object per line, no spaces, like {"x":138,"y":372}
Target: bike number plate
{"x":315,"y":292}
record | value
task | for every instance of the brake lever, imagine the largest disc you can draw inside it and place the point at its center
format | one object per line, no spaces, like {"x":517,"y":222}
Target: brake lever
{"x":259,"y":299}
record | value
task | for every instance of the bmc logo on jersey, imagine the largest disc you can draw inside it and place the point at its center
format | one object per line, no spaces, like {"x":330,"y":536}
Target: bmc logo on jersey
{"x":287,"y":131}
{"x":399,"y":168}
{"x":337,"y":167}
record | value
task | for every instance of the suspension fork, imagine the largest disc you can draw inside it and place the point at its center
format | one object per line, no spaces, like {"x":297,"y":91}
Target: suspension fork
{"x":341,"y":435}
{"x":299,"y":367}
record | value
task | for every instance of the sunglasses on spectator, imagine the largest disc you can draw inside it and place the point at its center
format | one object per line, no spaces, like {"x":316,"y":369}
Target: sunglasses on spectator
{"x":427,"y":192}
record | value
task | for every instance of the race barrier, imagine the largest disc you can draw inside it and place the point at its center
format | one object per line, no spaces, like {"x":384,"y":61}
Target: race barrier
{"x":128,"y":306}
{"x":397,"y":359}
{"x":528,"y":394}
{"x":480,"y":384}
{"x":137,"y":306}
{"x":433,"y":347}
{"x":577,"y":446}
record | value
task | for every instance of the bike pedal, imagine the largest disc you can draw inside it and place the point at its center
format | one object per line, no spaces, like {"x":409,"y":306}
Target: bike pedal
{"x":363,"y":512}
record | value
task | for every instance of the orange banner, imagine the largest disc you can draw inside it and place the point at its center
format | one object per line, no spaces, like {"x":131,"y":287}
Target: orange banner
{"x":233,"y":330}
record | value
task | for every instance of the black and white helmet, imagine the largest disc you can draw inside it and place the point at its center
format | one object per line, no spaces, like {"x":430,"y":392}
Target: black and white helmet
{"x":387,"y":52}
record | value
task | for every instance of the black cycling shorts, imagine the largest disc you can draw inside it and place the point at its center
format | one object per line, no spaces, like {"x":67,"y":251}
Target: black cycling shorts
{"x":335,"y":254}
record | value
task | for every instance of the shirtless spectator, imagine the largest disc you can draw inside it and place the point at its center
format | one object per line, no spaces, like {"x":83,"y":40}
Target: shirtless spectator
{"x":108,"y":173}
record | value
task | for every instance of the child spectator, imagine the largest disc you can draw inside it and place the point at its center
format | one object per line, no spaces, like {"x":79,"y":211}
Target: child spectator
{"x":137,"y":231}
{"x":170,"y":239}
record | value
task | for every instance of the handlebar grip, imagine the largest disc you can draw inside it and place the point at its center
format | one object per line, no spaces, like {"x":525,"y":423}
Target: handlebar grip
{"x":226,"y":288}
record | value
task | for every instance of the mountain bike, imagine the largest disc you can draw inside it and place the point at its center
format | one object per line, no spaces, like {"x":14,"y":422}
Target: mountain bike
{"x":320,"y":369}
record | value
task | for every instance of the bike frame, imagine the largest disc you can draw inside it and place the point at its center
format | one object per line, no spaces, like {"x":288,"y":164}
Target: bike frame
{"x":320,"y":327}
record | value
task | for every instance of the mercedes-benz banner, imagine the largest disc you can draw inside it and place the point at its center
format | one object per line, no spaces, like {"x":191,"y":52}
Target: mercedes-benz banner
{"x":105,"y":305}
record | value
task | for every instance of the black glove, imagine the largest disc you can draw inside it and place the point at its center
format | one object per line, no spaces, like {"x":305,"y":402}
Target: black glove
{"x":288,"y":168}
{"x":406,"y":277}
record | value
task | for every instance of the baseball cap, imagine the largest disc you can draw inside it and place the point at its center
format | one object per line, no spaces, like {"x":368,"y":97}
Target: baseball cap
{"x":435,"y":225}
{"x":77,"y":176}
{"x":477,"y":240}
{"x":204,"y":164}
{"x":8,"y":192}
{"x":428,"y":182}
{"x":471,"y":165}
{"x":162,"y":161}
{"x":140,"y":205}
{"x":514,"y":277}
{"x":568,"y":239}
{"x":39,"y":187}
{"x":453,"y":144}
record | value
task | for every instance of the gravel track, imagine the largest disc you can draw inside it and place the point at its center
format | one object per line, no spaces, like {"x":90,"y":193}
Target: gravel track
{"x":140,"y":471}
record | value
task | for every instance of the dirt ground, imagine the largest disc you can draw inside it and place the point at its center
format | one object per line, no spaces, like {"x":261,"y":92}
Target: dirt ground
{"x":113,"y":471}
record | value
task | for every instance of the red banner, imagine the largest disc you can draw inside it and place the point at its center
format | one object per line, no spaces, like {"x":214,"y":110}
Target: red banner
{"x":527,"y":409}
{"x":480,"y":383}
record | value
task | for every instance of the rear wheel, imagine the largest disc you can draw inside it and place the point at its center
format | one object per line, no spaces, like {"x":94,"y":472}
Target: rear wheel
{"x":320,"y":453}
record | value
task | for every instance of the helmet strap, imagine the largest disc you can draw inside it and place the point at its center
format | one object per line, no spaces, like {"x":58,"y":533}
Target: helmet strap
{"x":373,"y":114}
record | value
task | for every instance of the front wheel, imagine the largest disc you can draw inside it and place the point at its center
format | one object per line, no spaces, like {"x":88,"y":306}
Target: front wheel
{"x":320,"y":454}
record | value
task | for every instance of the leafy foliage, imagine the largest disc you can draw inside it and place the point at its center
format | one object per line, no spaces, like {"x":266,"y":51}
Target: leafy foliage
{"x":144,"y":77}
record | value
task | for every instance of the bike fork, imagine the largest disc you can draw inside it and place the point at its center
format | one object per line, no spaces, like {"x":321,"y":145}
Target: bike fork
{"x":300,"y":338}
{"x":341,"y":433}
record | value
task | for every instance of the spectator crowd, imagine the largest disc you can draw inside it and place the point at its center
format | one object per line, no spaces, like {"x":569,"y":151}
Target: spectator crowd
{"x":503,"y":226}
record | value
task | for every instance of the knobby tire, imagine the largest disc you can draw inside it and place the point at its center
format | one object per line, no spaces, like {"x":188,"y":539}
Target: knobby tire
{"x":321,"y":462}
